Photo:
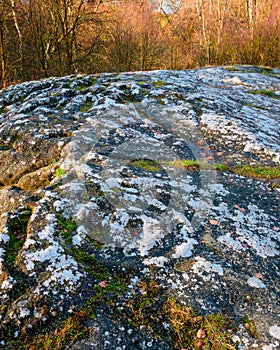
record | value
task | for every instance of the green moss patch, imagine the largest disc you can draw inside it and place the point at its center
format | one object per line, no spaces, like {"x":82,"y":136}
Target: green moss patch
{"x":128,"y":97}
{"x":261,"y":172}
{"x":86,"y":106}
{"x":255,"y":106}
{"x":269,"y":93}
{"x":17,"y":230}
{"x":232,"y":69}
{"x":85,"y":84}
{"x":2,"y":109}
{"x":146,"y":164}
{"x":60,"y":172}
{"x":159,"y":83}
{"x":67,"y":228}
{"x":257,"y":171}
{"x":90,"y":264}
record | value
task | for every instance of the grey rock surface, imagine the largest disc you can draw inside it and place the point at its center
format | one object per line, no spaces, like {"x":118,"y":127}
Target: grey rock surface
{"x":108,"y":152}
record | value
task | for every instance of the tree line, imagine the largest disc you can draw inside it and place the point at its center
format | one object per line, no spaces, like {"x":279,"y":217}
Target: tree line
{"x":43,"y":38}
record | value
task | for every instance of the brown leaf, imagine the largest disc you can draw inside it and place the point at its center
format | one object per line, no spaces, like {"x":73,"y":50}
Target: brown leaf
{"x":220,"y":153}
{"x":259,"y":275}
{"x":213,"y":222}
{"x":103,"y":284}
{"x":275,"y":228}
{"x":198,"y":318}
{"x":236,"y":206}
{"x":198,"y":343}
{"x":201,"y":334}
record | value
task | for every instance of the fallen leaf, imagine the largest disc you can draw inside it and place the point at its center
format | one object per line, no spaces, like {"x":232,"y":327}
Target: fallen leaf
{"x":259,"y":275}
{"x":201,"y":334}
{"x":220,"y":153}
{"x":198,"y":343}
{"x":236,"y":206}
{"x":103,"y":284}
{"x":275,"y":228}
{"x":198,"y":318}
{"x":213,"y":222}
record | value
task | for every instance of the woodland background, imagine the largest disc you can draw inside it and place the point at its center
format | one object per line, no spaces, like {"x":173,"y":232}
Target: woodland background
{"x":42,"y":38}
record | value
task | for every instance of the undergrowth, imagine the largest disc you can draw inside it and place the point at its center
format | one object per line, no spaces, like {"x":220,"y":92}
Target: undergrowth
{"x":17,"y":230}
{"x":262,"y":172}
{"x":179,"y":325}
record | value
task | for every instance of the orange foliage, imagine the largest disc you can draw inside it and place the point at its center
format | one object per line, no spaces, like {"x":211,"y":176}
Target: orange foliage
{"x":96,"y":36}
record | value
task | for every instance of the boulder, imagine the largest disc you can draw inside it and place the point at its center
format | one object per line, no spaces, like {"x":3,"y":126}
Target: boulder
{"x":161,"y":184}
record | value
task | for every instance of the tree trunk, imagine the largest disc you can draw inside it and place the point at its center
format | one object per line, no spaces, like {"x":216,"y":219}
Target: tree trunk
{"x":3,"y":81}
{"x":20,"y":39}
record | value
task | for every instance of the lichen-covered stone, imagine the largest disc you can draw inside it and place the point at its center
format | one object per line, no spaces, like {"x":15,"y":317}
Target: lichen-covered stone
{"x":99,"y":160}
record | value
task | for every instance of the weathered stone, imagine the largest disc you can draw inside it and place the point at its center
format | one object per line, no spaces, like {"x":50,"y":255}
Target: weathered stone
{"x":37,"y":179}
{"x":104,"y":158}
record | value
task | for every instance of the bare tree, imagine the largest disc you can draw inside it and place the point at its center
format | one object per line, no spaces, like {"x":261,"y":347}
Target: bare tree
{"x":251,"y":10}
{"x":55,"y":27}
{"x":19,"y":33}
{"x":40,"y":38}
{"x":3,"y":80}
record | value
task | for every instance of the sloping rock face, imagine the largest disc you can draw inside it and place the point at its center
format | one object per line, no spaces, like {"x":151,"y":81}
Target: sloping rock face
{"x":135,"y":171}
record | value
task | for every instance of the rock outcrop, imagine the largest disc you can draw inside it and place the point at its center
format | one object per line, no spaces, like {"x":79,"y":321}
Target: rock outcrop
{"x":170,"y":177}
